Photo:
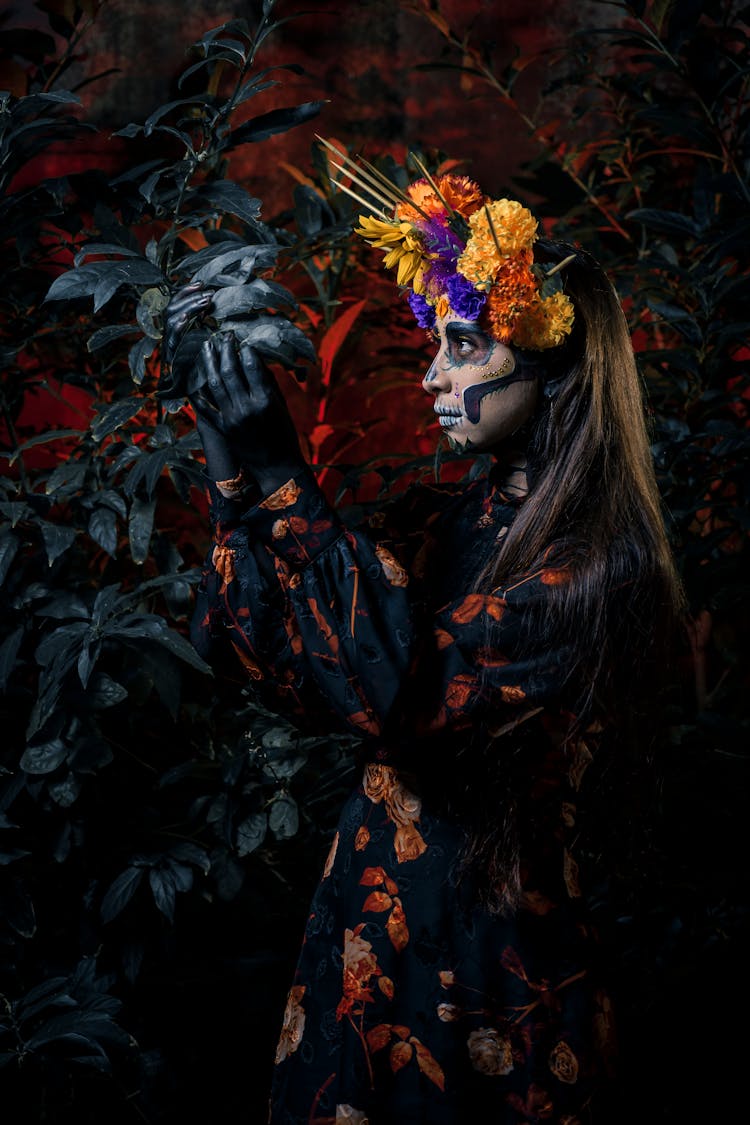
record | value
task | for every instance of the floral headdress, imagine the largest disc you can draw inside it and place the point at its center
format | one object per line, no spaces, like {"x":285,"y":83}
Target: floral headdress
{"x":459,"y":250}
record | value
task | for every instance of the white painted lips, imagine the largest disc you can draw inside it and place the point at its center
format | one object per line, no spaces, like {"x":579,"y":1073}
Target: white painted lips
{"x":448,"y":418}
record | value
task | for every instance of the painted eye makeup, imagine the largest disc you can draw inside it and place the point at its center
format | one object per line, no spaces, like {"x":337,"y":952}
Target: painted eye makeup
{"x":468,"y":343}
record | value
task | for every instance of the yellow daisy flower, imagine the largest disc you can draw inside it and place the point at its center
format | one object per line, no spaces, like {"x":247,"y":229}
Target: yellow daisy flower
{"x":404,"y":248}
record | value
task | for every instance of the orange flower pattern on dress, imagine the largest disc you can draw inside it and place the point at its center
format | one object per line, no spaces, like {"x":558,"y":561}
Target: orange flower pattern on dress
{"x":360,"y":965}
{"x":283,"y":497}
{"x":386,"y":900}
{"x":392,"y":569}
{"x":331,"y":858}
{"x":223,"y":561}
{"x":563,"y":1063}
{"x":381,"y":783}
{"x":293,"y":1026}
{"x":490,"y":1053}
{"x":399,"y":987}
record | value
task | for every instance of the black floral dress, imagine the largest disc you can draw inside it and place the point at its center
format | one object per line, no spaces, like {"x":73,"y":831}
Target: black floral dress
{"x":413,"y":1002}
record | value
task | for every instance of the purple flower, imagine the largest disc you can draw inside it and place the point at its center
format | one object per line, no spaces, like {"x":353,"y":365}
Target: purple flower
{"x":423,"y":311}
{"x":466,"y":301}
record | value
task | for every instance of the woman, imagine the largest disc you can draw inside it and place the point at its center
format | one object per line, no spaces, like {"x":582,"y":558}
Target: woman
{"x":482,"y":638}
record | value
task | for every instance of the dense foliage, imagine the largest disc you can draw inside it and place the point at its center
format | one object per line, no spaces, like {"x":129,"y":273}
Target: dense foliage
{"x":157,"y":855}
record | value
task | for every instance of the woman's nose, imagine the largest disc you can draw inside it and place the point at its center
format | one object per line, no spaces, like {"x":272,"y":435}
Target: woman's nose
{"x":436,"y":379}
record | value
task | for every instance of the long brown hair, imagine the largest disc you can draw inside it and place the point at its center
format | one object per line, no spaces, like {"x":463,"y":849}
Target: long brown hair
{"x":593,"y":491}
{"x":593,"y":498}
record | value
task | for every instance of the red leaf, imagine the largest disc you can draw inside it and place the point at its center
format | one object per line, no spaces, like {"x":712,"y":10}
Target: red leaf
{"x":335,"y":337}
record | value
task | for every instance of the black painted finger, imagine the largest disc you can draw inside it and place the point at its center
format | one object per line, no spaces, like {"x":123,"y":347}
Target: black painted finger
{"x":178,"y":316}
{"x":179,"y":310}
{"x":249,"y":358}
{"x":204,"y":408}
{"x":214,"y":381}
{"x":229,"y":364}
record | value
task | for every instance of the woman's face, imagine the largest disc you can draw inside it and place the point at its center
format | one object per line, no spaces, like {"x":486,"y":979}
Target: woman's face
{"x":480,"y":397}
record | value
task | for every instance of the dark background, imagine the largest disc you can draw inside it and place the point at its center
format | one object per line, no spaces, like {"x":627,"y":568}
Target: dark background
{"x":199,"y":989}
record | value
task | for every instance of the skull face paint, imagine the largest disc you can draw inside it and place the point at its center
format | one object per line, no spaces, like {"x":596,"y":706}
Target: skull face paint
{"x":481,"y":396}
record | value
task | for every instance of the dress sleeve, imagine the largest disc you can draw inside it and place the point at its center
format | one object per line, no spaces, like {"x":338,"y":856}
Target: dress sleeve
{"x":312,"y":605}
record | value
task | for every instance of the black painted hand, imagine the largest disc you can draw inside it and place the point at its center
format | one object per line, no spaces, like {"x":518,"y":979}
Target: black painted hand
{"x":241,"y":402}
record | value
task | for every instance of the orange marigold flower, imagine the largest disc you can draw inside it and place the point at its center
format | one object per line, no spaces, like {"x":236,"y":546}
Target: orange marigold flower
{"x":513,"y":291}
{"x":459,"y":192}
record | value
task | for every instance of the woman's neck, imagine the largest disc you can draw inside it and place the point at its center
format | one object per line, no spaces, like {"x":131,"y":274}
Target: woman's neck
{"x":511,"y":471}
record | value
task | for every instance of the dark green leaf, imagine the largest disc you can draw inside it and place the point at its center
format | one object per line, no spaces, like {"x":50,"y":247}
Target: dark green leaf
{"x":66,"y":639}
{"x":120,"y":892}
{"x":9,"y":653}
{"x":105,"y":250}
{"x":48,"y":992}
{"x":671,"y":222}
{"x":140,"y":527}
{"x":275,"y":121}
{"x":234,"y":300}
{"x":275,"y":337}
{"x":251,"y":833}
{"x":17,"y":908}
{"x":9,"y":544}
{"x":66,"y":479}
{"x":66,"y":791}
{"x":137,"y":357}
{"x":102,"y":528}
{"x":163,"y":110}
{"x":106,"y":600}
{"x":309,"y":210}
{"x":105,"y":692}
{"x":214,"y":260}
{"x":163,"y":890}
{"x":110,"y":332}
{"x":44,"y":757}
{"x":115,"y":414}
{"x":188,"y":852}
{"x":153,"y":465}
{"x":149,"y":626}
{"x":40,"y":439}
{"x":229,"y":198}
{"x":57,"y":539}
{"x":182,"y":876}
{"x":283,"y":818}
{"x":104,"y":279}
{"x":87,"y":658}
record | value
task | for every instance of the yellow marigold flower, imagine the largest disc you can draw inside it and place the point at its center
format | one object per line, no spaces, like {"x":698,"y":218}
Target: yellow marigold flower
{"x":442,"y":306}
{"x":512,"y":232}
{"x":545,"y":323}
{"x":459,"y":192}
